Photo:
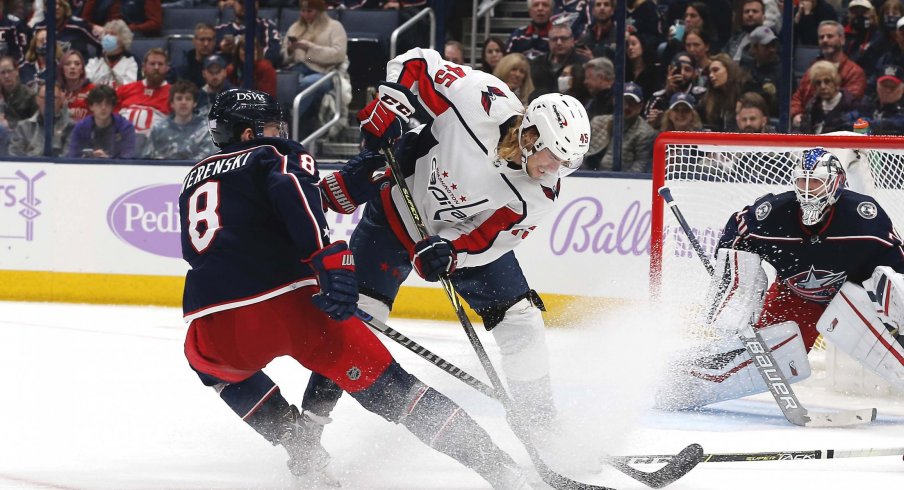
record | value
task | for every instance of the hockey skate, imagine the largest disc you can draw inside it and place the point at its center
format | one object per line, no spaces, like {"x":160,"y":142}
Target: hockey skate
{"x":307,"y":457}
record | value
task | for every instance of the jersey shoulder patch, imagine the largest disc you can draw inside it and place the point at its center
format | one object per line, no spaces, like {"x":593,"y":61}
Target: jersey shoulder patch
{"x":867,"y":210}
{"x":762,"y":210}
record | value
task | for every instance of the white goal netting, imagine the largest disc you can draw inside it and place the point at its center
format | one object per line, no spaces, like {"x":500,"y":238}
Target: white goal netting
{"x":711,"y":176}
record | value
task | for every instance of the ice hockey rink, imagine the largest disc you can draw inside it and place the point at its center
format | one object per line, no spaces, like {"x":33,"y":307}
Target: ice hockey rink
{"x":101,"y":397}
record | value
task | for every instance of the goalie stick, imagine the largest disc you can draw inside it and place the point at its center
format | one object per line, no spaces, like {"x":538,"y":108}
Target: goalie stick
{"x":764,"y":361}
{"x":677,"y":465}
{"x":767,"y":456}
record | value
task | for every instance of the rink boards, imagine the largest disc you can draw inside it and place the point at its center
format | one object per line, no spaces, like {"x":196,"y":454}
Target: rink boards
{"x":110,"y":234}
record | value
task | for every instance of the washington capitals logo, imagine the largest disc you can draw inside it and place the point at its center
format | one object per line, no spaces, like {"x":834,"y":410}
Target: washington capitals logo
{"x":487,"y":98}
{"x":816,"y":285}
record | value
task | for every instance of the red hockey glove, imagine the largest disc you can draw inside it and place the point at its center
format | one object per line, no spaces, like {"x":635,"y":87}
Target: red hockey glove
{"x":335,"y":267}
{"x":433,"y":257}
{"x":382,"y":120}
{"x":355,"y":183}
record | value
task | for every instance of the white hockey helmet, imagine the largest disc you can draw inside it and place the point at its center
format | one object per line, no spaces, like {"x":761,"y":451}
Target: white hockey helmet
{"x":819,"y":180}
{"x":563,"y":126}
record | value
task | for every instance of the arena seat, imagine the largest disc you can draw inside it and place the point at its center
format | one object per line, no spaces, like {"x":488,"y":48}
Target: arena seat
{"x":183,"y":20}
{"x":804,"y":56}
{"x":143,"y":44}
{"x":176,"y":45}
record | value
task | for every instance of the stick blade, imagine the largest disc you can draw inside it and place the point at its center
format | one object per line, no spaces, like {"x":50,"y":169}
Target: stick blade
{"x":682,"y":464}
{"x":840,"y":419}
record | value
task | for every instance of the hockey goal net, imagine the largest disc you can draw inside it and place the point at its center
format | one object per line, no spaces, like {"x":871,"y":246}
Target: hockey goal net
{"x":712,"y":175}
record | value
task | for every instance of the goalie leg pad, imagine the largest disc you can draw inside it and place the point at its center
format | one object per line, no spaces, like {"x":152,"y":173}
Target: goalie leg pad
{"x":725,"y":371}
{"x":886,"y":289}
{"x":851,"y":323}
{"x":736,"y":290}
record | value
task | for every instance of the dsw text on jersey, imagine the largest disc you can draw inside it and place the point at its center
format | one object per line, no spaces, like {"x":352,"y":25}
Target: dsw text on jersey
{"x":214,"y":167}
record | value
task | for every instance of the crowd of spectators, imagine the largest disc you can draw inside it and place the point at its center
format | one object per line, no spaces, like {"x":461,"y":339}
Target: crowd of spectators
{"x":712,"y":65}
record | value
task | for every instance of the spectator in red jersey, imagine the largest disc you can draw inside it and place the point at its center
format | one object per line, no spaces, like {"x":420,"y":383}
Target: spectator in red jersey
{"x":146,"y":102}
{"x":72,"y":79}
{"x":144,"y":16}
{"x":264,"y":75}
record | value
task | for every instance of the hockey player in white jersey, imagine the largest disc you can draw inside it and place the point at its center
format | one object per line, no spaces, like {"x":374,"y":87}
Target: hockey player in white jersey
{"x":484,"y":172}
{"x":838,"y":263}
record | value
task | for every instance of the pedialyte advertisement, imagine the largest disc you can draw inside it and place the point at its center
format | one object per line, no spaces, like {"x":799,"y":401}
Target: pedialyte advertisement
{"x":124,"y":219}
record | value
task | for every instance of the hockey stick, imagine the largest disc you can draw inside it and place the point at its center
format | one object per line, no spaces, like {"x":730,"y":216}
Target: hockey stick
{"x":656,"y":479}
{"x":764,"y":361}
{"x":425,"y":353}
{"x":684,"y":462}
{"x":768,"y":456}
{"x":551,"y":478}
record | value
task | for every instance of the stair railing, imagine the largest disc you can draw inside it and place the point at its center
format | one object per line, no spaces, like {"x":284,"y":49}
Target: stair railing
{"x":394,"y":37}
{"x":308,"y":92}
{"x":485,"y":10}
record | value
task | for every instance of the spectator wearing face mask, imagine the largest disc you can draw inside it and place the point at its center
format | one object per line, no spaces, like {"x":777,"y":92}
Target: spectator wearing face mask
{"x":864,"y":41}
{"x":546,"y":69}
{"x":116,"y":66}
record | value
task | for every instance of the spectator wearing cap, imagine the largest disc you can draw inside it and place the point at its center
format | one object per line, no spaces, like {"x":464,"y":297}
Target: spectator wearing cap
{"x":216,"y":80}
{"x":116,"y":66}
{"x":546,"y":69}
{"x":886,"y":112}
{"x":853,"y":79}
{"x":894,"y":55}
{"x":763,"y":67}
{"x":193,"y":59}
{"x":598,"y":38}
{"x":599,"y":75}
{"x":682,"y":78}
{"x":681,"y":115}
{"x":532,"y":40}
{"x":637,"y":143}
{"x":864,"y":41}
{"x":751,"y":115}
{"x":808,"y":15}
{"x":752,"y":14}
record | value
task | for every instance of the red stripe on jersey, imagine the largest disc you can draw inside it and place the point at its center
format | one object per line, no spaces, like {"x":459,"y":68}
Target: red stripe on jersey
{"x":483,"y":236}
{"x":395,"y":221}
{"x":897,"y":355}
{"x":318,"y":236}
{"x":416,"y":71}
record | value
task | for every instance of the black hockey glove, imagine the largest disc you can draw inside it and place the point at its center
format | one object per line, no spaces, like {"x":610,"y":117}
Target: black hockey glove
{"x":383,"y":120}
{"x":335,"y":267}
{"x":434,"y":256}
{"x":355,"y":183}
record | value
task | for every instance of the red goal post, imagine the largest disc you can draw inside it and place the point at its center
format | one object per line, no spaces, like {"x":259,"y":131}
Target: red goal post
{"x":712,"y":175}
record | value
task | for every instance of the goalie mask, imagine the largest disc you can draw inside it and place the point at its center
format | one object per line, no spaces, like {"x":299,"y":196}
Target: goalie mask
{"x":818,"y":182}
{"x":235,"y":110}
{"x":563,"y":126}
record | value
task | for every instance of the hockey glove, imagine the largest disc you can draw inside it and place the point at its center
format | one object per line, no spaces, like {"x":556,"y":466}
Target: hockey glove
{"x":433,"y":257}
{"x":382,"y":121}
{"x":355,"y":183}
{"x":335,"y":268}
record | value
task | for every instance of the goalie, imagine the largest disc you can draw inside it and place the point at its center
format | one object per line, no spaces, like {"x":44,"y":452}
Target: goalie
{"x":838,"y":263}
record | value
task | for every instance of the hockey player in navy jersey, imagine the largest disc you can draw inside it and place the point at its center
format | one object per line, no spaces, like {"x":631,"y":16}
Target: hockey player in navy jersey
{"x":838,"y":264}
{"x":484,"y":172}
{"x":266,"y":281}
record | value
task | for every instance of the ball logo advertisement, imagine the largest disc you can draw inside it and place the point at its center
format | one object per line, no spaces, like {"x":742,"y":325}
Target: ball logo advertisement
{"x":148,"y":218}
{"x":20,"y":205}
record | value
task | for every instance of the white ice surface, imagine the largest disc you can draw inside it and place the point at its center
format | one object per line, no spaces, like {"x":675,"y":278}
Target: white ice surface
{"x":101,"y":397}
